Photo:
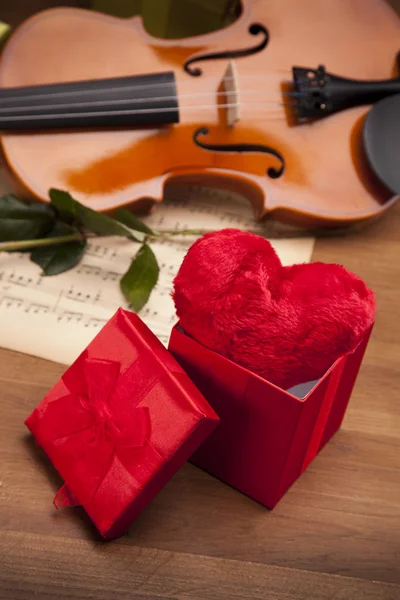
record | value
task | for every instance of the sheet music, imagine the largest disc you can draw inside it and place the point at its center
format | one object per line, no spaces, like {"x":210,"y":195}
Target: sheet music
{"x":56,"y":317}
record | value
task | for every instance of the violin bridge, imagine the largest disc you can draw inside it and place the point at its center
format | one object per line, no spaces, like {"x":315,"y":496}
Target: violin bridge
{"x":231,"y":95}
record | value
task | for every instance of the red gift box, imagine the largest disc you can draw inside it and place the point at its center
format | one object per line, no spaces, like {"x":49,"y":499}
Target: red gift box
{"x":119,"y":423}
{"x":267,"y":436}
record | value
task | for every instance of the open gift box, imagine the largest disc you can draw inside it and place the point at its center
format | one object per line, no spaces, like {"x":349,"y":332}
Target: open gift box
{"x":267,"y":436}
{"x":119,"y":423}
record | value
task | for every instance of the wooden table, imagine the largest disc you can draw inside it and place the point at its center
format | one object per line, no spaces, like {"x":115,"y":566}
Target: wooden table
{"x":336,"y":533}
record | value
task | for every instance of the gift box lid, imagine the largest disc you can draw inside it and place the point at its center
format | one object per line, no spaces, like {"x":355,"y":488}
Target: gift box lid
{"x":119,"y":423}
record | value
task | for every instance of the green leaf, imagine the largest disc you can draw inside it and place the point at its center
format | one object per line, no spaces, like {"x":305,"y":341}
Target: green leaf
{"x":20,"y":221}
{"x":94,"y":221}
{"x":141,"y":277}
{"x":10,"y":201}
{"x":125,"y":216}
{"x":58,"y":258}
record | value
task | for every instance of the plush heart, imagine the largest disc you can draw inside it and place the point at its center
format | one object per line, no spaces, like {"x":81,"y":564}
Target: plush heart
{"x":287,"y":324}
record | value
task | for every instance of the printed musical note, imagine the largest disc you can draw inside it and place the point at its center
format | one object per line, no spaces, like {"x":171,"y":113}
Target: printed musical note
{"x":69,"y":315}
{"x":60,"y":315}
{"x":101,"y":251}
{"x":88,"y":269}
{"x":82,"y":296}
{"x":99,"y":272}
{"x":22,"y":280}
{"x":11,"y":301}
{"x":96,"y":323}
{"x":111,"y":276}
{"x":37,"y":308}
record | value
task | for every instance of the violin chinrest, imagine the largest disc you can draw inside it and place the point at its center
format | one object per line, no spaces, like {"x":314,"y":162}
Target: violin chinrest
{"x":381,"y":141}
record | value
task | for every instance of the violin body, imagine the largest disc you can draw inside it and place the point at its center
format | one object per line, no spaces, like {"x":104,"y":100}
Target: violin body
{"x":326,"y":180}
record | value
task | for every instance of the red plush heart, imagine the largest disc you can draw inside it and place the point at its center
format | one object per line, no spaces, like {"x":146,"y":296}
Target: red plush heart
{"x":287,"y":324}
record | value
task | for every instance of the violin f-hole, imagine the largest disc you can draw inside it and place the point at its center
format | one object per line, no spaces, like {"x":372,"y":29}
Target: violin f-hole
{"x":272,"y":172}
{"x":254,"y":29}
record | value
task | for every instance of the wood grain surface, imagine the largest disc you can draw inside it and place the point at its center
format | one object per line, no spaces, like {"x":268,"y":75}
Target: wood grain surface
{"x":335,"y":534}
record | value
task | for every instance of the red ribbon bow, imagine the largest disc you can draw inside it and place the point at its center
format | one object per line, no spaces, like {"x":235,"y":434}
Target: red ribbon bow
{"x":95,"y":426}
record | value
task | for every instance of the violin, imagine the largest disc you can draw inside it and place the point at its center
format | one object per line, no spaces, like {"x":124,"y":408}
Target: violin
{"x":272,"y":107}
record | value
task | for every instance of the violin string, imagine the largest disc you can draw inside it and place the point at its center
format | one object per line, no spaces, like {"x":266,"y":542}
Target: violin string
{"x":74,"y":105}
{"x":128,"y":112}
{"x":23,"y":96}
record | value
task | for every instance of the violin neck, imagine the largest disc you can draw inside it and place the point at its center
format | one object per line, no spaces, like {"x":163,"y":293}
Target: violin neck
{"x":141,"y":100}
